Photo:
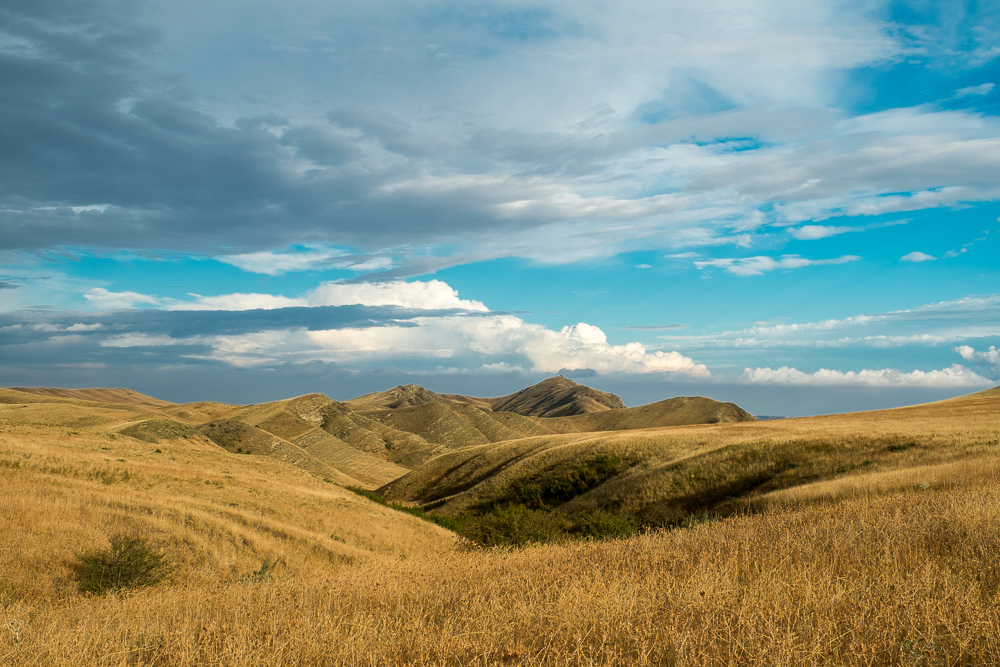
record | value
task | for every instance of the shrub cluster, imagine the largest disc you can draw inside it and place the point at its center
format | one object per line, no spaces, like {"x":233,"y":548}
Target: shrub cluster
{"x":130,"y":562}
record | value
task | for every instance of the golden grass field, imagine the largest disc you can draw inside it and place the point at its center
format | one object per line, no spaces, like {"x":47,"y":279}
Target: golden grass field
{"x":838,"y":562}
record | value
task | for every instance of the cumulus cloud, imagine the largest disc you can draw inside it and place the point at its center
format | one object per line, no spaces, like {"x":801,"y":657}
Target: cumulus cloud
{"x":405,"y":323}
{"x":989,"y":358}
{"x":756,"y":266}
{"x":953,"y":376}
{"x":431,"y":294}
{"x":573,"y":347}
{"x":585,"y":346}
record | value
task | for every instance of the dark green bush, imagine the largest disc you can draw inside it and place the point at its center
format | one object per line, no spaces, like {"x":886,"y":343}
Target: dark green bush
{"x":601,"y":524}
{"x":515,"y":526}
{"x":130,"y":562}
{"x":552,"y":488}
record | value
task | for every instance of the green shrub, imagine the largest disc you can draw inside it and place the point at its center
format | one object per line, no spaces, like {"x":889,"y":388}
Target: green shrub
{"x":551,"y":488}
{"x":515,"y":526}
{"x":130,"y":563}
{"x":601,"y":525}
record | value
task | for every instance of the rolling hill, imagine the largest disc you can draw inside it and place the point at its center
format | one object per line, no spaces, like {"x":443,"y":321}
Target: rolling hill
{"x":375,"y":439}
{"x":869,"y":538}
{"x":662,"y":476}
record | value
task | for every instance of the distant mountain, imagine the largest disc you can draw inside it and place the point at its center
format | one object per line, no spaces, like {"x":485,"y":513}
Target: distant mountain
{"x":557,"y":397}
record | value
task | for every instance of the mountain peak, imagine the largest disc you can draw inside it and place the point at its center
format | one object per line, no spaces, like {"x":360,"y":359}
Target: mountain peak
{"x":557,"y":396}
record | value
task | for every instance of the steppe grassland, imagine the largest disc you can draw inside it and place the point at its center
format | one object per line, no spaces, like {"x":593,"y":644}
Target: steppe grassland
{"x":66,"y":489}
{"x":907,"y":579}
{"x":890,"y":573}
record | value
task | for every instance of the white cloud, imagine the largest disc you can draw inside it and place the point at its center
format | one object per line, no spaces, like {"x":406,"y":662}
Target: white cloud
{"x":276,"y":264}
{"x":917,"y":256}
{"x":429,"y":295}
{"x":585,"y":346}
{"x":237,"y":302}
{"x":816,"y":232}
{"x":953,"y":376}
{"x":147,"y":340}
{"x":755,"y":266}
{"x":421,"y":295}
{"x":989,"y":357}
{"x":947,"y":322}
{"x":505,"y":341}
{"x":79,"y":326}
{"x":506,"y":338}
{"x":981,"y":89}
{"x":102,"y":298}
{"x":573,"y":347}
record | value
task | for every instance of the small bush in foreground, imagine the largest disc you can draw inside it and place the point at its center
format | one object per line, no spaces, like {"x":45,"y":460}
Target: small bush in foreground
{"x":130,"y":563}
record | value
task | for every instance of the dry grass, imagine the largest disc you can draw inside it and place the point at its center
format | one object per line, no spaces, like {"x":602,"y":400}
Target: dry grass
{"x":898,"y":565}
{"x":906,"y":580}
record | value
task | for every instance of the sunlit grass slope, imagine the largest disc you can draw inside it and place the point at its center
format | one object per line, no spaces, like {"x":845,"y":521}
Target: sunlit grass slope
{"x":892,"y":563}
{"x":70,"y":481}
{"x":669,"y":474}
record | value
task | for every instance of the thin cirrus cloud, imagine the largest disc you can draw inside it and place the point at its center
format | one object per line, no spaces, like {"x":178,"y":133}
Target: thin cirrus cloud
{"x":759,"y":265}
{"x":970,"y":318}
{"x":817,"y":232}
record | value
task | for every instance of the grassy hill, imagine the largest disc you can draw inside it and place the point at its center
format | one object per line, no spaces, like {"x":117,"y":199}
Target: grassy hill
{"x":871,"y":538}
{"x":666,"y":476}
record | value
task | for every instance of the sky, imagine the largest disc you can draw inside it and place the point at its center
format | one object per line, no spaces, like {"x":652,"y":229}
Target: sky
{"x":793,"y":206}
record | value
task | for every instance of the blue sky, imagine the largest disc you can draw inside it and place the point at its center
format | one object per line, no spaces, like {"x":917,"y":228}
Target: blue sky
{"x":792,"y":206}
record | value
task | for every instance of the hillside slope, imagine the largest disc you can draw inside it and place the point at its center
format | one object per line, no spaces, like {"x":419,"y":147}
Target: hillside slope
{"x":99,"y":395}
{"x":71,"y":480}
{"x":660,"y":476}
{"x":670,"y":412}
